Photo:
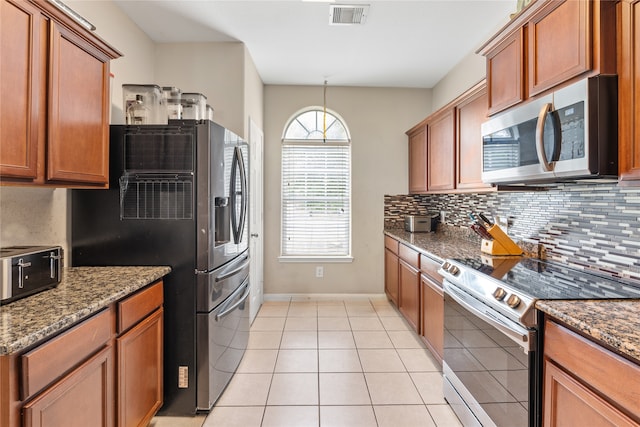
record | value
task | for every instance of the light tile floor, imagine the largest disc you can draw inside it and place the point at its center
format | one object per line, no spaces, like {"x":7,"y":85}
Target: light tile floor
{"x":330,"y":363}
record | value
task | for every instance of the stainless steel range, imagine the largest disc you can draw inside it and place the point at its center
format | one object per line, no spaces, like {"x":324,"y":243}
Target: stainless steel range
{"x":493,"y":339}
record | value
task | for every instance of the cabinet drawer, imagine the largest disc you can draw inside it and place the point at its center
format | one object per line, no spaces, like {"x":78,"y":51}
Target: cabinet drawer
{"x":139,"y":306}
{"x":430,"y":267}
{"x":410,"y":256}
{"x":43,"y":365}
{"x":391,"y":244}
{"x":610,"y":374}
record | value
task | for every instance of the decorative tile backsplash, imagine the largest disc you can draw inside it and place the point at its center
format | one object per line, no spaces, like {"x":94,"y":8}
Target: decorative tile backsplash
{"x":594,"y":226}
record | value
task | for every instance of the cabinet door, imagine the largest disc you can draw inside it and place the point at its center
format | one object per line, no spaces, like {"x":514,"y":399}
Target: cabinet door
{"x":78,"y":144}
{"x":441,"y":152}
{"x":391,"y":275}
{"x":82,"y":398}
{"x":19,"y":84}
{"x":568,"y":402}
{"x":471,"y":113}
{"x":559,"y":44}
{"x":505,"y":73}
{"x":409,"y":298}
{"x":432,"y":316}
{"x":140,"y":372}
{"x":418,"y":161}
{"x":629,"y":92}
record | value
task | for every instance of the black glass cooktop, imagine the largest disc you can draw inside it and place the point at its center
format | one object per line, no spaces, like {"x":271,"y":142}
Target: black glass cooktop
{"x":552,"y":281}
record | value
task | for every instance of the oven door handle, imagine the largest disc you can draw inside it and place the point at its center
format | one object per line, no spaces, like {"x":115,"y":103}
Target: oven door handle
{"x":521,"y":336}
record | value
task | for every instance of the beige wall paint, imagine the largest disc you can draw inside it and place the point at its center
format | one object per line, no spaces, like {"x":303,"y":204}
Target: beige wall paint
{"x":253,"y":94}
{"x":464,"y":75}
{"x":39,"y":215}
{"x":214,"y":69}
{"x":377,"y":119}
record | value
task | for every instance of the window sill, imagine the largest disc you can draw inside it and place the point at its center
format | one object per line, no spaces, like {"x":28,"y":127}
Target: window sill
{"x":316,"y":259}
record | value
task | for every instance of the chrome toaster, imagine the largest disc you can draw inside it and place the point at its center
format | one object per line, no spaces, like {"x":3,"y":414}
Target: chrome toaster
{"x":421,"y":223}
{"x":26,"y":270}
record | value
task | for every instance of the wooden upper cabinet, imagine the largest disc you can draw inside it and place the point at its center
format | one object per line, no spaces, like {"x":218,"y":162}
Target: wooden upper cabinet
{"x":418,"y":159}
{"x":78,"y":144}
{"x":629,"y":93}
{"x":471,"y":112}
{"x":559,"y":44}
{"x":441,"y":151}
{"x":552,"y":42}
{"x":505,"y":71}
{"x":19,"y":83}
{"x":54,"y":81}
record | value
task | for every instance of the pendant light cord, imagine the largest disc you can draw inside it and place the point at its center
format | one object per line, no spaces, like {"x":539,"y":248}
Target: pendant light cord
{"x":324,"y":115}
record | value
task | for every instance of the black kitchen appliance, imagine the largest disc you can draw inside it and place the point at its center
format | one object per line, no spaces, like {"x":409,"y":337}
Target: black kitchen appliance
{"x":26,"y":270}
{"x":178,"y":196}
{"x":492,"y":362}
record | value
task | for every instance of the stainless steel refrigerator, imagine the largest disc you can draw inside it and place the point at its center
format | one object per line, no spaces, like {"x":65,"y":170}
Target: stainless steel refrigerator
{"x":178,"y":196}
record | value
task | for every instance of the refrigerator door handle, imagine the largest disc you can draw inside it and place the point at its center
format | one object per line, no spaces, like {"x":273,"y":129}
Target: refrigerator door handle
{"x":237,"y":224}
{"x":225,"y":275}
{"x":244,"y":297}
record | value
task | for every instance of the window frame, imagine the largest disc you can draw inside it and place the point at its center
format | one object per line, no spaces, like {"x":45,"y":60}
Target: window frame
{"x":316,"y":142}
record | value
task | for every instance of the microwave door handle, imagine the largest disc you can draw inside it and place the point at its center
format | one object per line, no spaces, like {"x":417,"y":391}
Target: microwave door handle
{"x":542,"y":157}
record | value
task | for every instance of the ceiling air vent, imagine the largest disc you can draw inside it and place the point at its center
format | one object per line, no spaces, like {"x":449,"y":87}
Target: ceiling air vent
{"x":345,"y":14}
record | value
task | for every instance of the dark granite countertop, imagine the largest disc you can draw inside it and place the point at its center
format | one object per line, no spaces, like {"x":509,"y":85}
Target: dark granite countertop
{"x":82,"y":291}
{"x":440,"y":245}
{"x":614,"y":323}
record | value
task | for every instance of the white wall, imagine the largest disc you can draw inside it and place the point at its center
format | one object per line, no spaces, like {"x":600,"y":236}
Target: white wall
{"x":377,"y":119}
{"x":213,"y":69}
{"x":39,"y":215}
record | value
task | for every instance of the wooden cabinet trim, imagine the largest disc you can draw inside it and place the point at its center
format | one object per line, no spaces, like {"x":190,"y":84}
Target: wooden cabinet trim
{"x":51,"y":360}
{"x":505,"y":63}
{"x":20,"y":122}
{"x":544,"y":72}
{"x":609,"y":374}
{"x":98,"y":373}
{"x":418,"y":160}
{"x":391,"y":244}
{"x":410,"y":256}
{"x":441,"y":152}
{"x":391,"y":275}
{"x":138,"y":306}
{"x":409,"y":294}
{"x":140,"y":349}
{"x":430,"y":267}
{"x":629,"y":93}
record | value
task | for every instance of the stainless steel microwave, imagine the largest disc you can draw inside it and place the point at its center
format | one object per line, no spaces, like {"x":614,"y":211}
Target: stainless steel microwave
{"x":571,"y":133}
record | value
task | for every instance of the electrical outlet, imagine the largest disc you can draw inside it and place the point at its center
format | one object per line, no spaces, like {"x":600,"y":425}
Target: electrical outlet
{"x":319,"y":271}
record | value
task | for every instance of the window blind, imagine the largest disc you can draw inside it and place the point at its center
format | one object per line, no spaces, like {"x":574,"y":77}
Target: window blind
{"x":316,"y":199}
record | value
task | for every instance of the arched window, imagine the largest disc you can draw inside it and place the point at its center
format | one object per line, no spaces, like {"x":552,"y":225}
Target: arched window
{"x":316,"y":186}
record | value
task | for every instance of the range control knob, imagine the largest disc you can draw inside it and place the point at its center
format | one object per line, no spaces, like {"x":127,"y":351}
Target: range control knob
{"x":454,"y":270}
{"x":446,"y":266}
{"x":499,"y":294}
{"x":513,"y":301}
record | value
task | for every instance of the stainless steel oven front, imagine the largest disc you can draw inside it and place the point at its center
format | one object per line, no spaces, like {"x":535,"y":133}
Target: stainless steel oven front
{"x":490,"y":364}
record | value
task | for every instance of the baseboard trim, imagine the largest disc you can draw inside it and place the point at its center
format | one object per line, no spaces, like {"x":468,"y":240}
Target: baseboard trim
{"x":322,"y":297}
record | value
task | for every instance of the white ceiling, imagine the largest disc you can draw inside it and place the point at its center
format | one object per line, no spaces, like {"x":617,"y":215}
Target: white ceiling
{"x":401,"y":44}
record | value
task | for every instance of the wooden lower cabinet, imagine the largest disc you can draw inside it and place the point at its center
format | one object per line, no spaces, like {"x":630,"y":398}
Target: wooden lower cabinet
{"x":586,"y":384}
{"x":391,"y":266}
{"x":80,"y":399}
{"x":104,"y":371}
{"x":432,"y":316}
{"x":568,"y":402}
{"x":409,"y":300}
{"x":140,"y":372}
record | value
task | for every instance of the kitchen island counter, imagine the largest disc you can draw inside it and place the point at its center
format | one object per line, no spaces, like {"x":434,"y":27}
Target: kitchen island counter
{"x":613,"y":323}
{"x":81,"y":292}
